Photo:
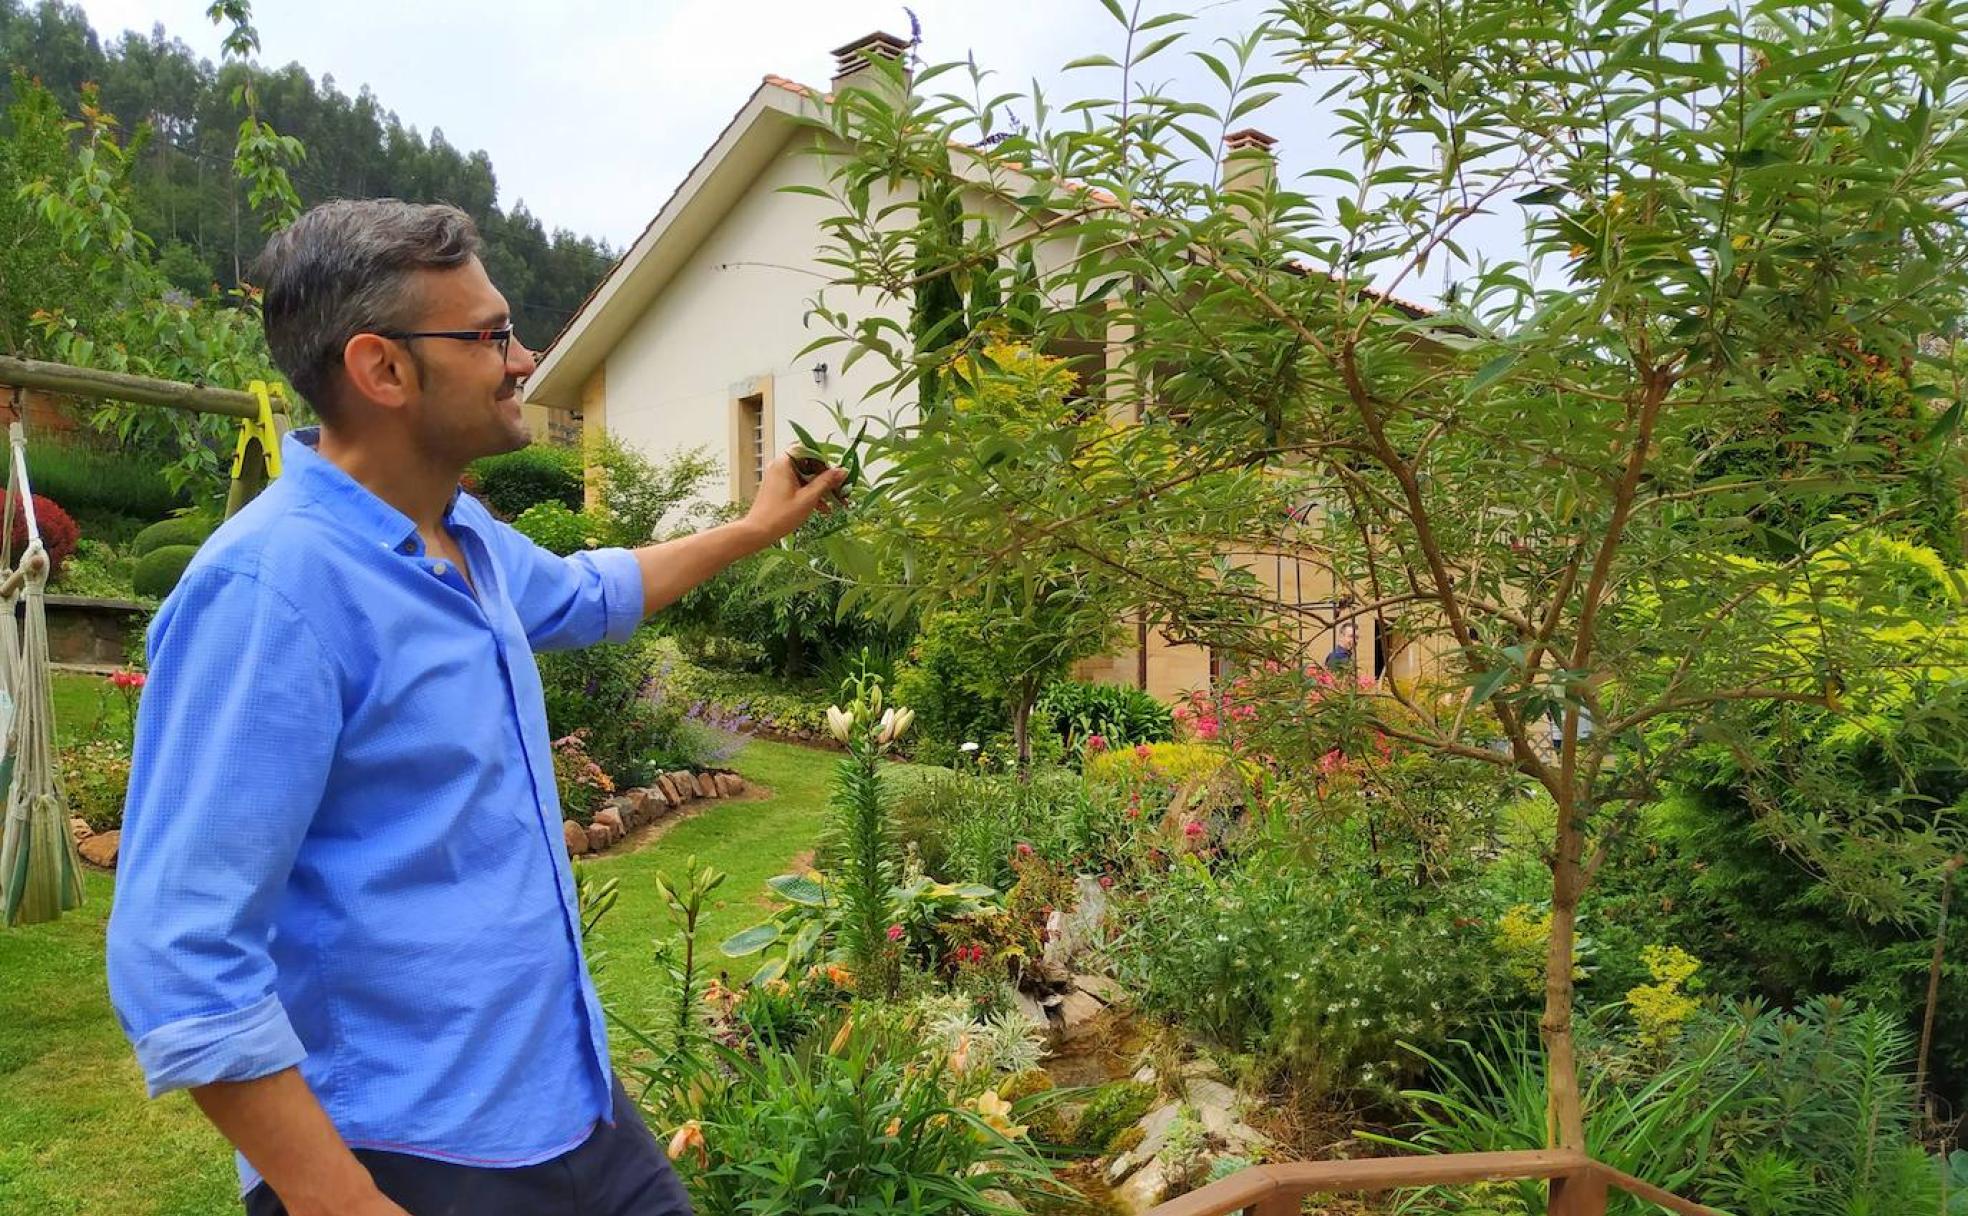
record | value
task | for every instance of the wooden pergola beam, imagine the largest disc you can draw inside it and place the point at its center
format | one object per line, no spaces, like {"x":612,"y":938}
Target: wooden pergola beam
{"x":119,"y":386}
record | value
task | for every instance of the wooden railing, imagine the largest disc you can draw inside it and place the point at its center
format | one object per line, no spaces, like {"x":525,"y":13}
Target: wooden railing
{"x":1579,"y":1185}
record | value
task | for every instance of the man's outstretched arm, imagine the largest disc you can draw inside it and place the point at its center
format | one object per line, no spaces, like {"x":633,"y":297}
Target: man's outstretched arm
{"x":670,"y":569}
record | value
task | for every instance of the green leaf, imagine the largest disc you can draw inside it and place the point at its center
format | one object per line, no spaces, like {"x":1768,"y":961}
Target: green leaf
{"x":1092,"y":61}
{"x":1487,"y":686}
{"x":1489,"y":372}
{"x":749,"y":941}
{"x":799,"y":889}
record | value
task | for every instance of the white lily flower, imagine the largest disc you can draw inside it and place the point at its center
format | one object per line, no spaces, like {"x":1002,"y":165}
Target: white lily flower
{"x":904,"y":719}
{"x":840,"y":724}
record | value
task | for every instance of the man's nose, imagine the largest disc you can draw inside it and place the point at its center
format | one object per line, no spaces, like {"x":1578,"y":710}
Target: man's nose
{"x":521,"y":362}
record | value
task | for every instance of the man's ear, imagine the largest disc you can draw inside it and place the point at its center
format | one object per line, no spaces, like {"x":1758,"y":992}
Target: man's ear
{"x":380,"y":371}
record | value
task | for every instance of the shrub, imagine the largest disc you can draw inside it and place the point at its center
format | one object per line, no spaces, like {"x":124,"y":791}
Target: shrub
{"x":1174,"y":763}
{"x":1805,"y":1113}
{"x":96,"y":778}
{"x":1120,"y":715}
{"x":850,"y":1120}
{"x":555,"y":528}
{"x":1321,"y":974}
{"x":580,"y":781}
{"x":768,"y":701}
{"x":636,"y":494}
{"x":88,"y":480}
{"x":58,"y":532}
{"x":957,"y":692}
{"x":188,"y":530}
{"x":96,"y":570}
{"x":535,"y":474}
{"x":1112,"y":1110}
{"x":969,"y":826}
{"x":157,"y":572}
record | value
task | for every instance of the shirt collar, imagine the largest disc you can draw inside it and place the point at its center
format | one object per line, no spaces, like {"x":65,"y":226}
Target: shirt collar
{"x":354,"y":503}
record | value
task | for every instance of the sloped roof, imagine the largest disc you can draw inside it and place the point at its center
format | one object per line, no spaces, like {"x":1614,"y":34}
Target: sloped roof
{"x":742,"y":150}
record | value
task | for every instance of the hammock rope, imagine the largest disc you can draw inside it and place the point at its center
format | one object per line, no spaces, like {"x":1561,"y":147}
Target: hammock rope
{"x":40,"y":867}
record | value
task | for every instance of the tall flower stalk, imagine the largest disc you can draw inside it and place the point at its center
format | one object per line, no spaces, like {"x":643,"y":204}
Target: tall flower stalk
{"x":861,"y":832}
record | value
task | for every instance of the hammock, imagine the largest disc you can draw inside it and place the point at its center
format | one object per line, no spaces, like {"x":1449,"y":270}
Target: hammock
{"x":40,"y":869}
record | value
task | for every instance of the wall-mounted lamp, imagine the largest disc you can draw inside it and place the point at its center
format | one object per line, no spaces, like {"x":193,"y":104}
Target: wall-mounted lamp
{"x":820,"y":373}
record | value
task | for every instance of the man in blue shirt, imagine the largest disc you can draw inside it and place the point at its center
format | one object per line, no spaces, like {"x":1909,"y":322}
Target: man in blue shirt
{"x":345,"y":919}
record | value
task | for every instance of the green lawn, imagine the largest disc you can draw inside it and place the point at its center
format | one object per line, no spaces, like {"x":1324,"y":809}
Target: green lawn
{"x":77,"y":1134}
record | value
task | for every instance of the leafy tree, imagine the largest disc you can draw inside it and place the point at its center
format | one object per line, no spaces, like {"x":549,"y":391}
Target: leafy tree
{"x":1714,"y":201}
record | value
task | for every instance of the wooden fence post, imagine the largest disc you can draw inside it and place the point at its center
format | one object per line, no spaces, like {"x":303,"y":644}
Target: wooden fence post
{"x":1580,"y":1194}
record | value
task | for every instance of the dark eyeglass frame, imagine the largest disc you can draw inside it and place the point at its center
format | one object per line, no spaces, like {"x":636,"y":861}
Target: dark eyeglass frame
{"x":502,"y":335}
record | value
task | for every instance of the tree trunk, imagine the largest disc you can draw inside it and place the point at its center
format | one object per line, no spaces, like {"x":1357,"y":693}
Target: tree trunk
{"x":1021,"y":721}
{"x":1564,"y":1110}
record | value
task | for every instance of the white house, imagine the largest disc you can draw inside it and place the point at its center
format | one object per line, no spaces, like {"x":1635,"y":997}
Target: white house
{"x":694,"y":337}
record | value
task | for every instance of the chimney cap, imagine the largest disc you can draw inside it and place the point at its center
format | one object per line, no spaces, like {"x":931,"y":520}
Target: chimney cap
{"x":879,"y":42}
{"x":1249,"y":137}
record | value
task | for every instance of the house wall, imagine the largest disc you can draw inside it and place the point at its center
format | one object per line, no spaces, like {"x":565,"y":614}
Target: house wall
{"x":731,"y":323}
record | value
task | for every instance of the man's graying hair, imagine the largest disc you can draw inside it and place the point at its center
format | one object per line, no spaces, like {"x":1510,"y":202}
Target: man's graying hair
{"x":344,"y":268}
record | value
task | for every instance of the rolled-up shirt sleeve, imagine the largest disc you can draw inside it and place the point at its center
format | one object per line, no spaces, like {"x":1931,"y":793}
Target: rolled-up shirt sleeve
{"x":568,"y":602}
{"x":236,"y":735}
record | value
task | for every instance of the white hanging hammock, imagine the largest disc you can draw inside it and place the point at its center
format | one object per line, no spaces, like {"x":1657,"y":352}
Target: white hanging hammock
{"x":40,"y":869}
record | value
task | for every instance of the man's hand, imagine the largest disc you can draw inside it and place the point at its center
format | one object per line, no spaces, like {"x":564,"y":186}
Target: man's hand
{"x":673,"y":567}
{"x":279,"y":1125}
{"x":782,"y":504}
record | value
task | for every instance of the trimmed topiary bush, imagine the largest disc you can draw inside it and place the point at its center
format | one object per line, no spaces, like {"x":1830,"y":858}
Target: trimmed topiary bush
{"x":159,"y":570}
{"x":186,"y":531}
{"x":537,"y":473}
{"x":58,"y":531}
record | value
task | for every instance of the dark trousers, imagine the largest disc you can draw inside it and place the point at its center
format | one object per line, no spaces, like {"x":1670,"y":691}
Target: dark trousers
{"x":617,"y":1171}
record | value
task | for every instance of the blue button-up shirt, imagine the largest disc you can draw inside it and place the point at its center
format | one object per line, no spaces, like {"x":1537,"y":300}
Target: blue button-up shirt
{"x":342,"y":847}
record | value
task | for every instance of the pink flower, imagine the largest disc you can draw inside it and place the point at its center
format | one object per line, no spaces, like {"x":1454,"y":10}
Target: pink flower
{"x":1181,"y":713}
{"x":1096,"y":743}
{"x":1024,"y":850}
{"x":1106,"y":882}
{"x":1243,"y":713}
{"x":1332,"y":762}
{"x":895,"y":933}
{"x":127,"y":679}
{"x":1143,"y":752}
{"x":1207,"y":729}
{"x":1192,"y":829}
{"x":1134,"y":810}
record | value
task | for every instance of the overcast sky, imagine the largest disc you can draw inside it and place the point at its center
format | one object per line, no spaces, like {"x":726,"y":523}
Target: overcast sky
{"x":594,"y":110}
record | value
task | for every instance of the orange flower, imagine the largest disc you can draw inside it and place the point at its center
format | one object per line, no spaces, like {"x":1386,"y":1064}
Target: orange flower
{"x":690,"y":1139}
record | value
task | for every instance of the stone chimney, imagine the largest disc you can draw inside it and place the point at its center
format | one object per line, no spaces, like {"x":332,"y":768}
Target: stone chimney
{"x":852,"y":62}
{"x":1248,"y":162}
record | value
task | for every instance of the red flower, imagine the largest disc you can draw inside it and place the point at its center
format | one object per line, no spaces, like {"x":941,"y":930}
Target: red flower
{"x":1192,"y":829}
{"x":127,"y":679}
{"x":1106,"y":882}
{"x":1096,"y":743}
{"x":1024,"y":850}
{"x":1143,"y":752}
{"x":895,"y":933}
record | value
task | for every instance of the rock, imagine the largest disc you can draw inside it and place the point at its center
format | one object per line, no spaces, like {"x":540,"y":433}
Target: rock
{"x":100,"y":849}
{"x":730,"y":785}
{"x":1147,"y":1187}
{"x":647,"y":805}
{"x":79,"y":829}
{"x":706,"y":788}
{"x":1100,"y":988}
{"x":599,"y":837}
{"x":577,"y":837}
{"x":671,"y":790}
{"x":1031,"y":1011}
{"x":611,"y":819}
{"x":660,"y":801}
{"x":1072,"y":934}
{"x":1146,"y":1074}
{"x":1077,"y":1014}
{"x":1155,"y":1127}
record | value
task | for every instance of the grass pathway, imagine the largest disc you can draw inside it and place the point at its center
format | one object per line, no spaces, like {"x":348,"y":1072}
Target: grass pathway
{"x":77,"y":1135}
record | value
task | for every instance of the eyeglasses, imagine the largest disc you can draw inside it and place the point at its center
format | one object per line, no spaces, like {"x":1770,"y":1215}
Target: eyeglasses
{"x":503,"y":336}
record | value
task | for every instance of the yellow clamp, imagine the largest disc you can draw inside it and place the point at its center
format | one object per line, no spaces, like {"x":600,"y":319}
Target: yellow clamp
{"x":260,"y":428}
